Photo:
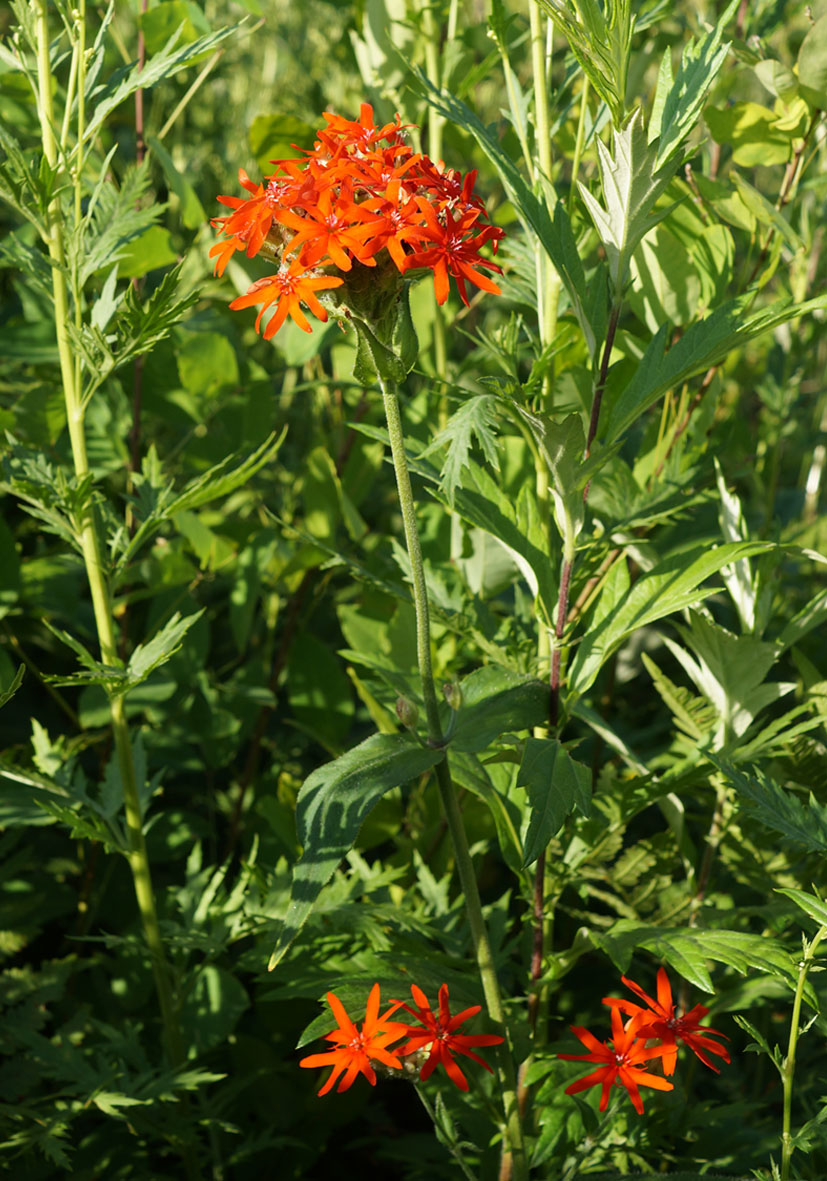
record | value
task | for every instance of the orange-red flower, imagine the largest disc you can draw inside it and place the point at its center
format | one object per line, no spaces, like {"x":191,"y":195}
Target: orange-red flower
{"x":453,"y":251}
{"x":329,"y":229}
{"x":440,"y":1034}
{"x":356,"y":1049}
{"x":360,"y":195}
{"x":661,"y":1021}
{"x":288,"y":290}
{"x":620,"y":1061}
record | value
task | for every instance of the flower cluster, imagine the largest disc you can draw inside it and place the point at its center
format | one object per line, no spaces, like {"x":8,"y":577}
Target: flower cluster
{"x":622,"y":1061}
{"x":362,"y":197}
{"x":434,"y":1041}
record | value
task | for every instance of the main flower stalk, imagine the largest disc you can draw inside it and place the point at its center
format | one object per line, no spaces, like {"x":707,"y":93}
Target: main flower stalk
{"x":448,"y":796}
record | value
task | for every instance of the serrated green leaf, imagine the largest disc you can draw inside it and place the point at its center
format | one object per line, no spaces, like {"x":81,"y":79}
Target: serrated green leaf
{"x":157,"y":651}
{"x":673,"y":584}
{"x":687,"y":950}
{"x":497,"y":701}
{"x":678,"y":104}
{"x":778,"y":810}
{"x":220,"y":480}
{"x":556,"y":785}
{"x":103,"y":98}
{"x":631,"y":184}
{"x":332,"y":804}
{"x":729,"y":670}
{"x":703,"y":344}
{"x":475,"y":420}
{"x":816,"y":908}
{"x":600,"y":37}
{"x":552,"y":229}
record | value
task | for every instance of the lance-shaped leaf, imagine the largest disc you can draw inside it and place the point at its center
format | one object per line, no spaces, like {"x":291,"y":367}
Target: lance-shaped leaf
{"x":553,"y":230}
{"x":332,"y":804}
{"x":497,"y":701}
{"x":673,"y":584}
{"x":688,"y":949}
{"x":105,"y":97}
{"x":556,"y":785}
{"x":816,"y":908}
{"x":678,"y":101}
{"x":703,"y":344}
{"x":631,"y":185}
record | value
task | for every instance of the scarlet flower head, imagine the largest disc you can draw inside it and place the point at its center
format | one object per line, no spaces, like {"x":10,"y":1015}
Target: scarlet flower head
{"x":360,"y":198}
{"x":660,"y":1020}
{"x":440,"y":1034}
{"x":620,"y":1062}
{"x":356,"y":1049}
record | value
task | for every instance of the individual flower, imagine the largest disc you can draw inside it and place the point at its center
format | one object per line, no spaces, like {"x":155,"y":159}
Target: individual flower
{"x":661,"y":1021}
{"x":453,"y":252}
{"x":247,"y":226}
{"x":619,"y":1062}
{"x":439,"y":1033}
{"x":331,"y":228}
{"x":357,"y":1049}
{"x":288,"y":290}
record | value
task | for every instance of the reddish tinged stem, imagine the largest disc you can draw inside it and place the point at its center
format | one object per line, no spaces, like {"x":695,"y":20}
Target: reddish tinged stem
{"x":538,"y":915}
{"x":554,"y":677}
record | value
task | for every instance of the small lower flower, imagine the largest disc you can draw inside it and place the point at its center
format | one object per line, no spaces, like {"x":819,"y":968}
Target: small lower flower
{"x":288,"y":290}
{"x":357,"y":1049}
{"x":620,"y":1062}
{"x":439,"y":1034}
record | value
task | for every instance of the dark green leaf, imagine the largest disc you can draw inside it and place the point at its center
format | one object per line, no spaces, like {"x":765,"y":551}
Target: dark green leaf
{"x":332,"y":804}
{"x":556,"y":785}
{"x":687,"y":950}
{"x":497,"y":701}
{"x":816,"y":908}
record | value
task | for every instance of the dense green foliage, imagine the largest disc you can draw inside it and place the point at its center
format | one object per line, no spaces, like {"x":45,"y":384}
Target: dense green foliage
{"x":619,"y":469}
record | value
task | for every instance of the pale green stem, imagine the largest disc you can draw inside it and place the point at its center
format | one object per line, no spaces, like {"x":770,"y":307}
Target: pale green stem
{"x":579,"y":140}
{"x":788,"y":1069}
{"x":436,"y":124}
{"x":91,"y":551}
{"x":549,"y":284}
{"x":77,"y":169}
{"x":448,"y":796}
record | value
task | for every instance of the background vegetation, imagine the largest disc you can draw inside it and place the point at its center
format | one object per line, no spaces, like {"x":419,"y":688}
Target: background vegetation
{"x":263,"y":615}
